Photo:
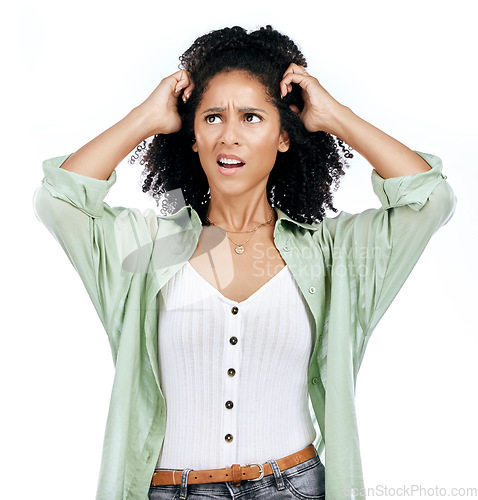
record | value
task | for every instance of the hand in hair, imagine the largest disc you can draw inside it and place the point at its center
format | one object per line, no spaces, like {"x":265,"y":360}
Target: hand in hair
{"x":320,"y":108}
{"x":161,"y":107}
{"x":305,"y":191}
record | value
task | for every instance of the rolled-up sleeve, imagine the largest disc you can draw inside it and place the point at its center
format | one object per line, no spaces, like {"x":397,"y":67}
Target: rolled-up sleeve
{"x":380,"y":247}
{"x":95,"y":237}
{"x":85,"y":193}
{"x":414,"y":208}
{"x":411,"y":190}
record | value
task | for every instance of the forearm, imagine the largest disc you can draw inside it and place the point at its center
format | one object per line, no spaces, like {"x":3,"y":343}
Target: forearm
{"x":99,"y":157}
{"x":389,"y":157}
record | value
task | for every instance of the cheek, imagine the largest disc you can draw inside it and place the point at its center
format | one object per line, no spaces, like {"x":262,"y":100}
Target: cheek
{"x":204,"y":148}
{"x":202,"y":145}
{"x":266,"y":143}
{"x":204,"y":136}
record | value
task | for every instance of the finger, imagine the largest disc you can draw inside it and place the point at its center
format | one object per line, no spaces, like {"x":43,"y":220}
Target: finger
{"x":182,"y":79}
{"x":300,"y":79}
{"x":295,"y":109}
{"x":294,"y":68}
{"x":187,"y":91}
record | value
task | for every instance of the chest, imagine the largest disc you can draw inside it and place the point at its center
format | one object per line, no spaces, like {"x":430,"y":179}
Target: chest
{"x":236,"y":276}
{"x":196,"y":316}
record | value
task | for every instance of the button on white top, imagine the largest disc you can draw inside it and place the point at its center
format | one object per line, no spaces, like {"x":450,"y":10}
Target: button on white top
{"x":272,"y":336}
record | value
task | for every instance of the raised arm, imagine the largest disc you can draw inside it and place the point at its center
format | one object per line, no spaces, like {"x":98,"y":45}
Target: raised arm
{"x":389,"y":157}
{"x":156,"y":115}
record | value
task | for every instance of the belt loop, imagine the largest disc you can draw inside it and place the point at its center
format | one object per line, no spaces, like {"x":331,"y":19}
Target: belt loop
{"x":184,"y":484}
{"x":236,"y":475}
{"x":277,"y":474}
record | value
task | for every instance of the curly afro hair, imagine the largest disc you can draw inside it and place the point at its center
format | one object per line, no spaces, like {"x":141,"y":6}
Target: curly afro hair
{"x":317,"y":159}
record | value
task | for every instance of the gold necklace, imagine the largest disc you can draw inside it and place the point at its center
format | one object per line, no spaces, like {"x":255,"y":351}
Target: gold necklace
{"x":240,"y":246}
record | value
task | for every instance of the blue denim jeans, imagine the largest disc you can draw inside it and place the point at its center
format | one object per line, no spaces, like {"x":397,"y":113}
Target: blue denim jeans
{"x":303,"y":481}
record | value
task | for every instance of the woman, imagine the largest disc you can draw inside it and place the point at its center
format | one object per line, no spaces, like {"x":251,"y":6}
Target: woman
{"x":266,"y":304}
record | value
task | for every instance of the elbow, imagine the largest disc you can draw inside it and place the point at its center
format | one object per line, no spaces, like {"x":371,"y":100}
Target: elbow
{"x":441,"y":204}
{"x":39,"y":203}
{"x":48,"y":209}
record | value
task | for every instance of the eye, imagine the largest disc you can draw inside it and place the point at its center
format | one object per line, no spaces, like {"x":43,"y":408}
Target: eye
{"x":252,"y":118}
{"x":212,"y":119}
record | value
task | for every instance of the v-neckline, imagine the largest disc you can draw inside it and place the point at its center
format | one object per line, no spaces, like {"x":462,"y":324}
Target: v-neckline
{"x":227,"y":299}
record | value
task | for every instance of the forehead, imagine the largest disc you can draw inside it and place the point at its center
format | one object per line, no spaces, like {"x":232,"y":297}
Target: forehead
{"x":240,"y":86}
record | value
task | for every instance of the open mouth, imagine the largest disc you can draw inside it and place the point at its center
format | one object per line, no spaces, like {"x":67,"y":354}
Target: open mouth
{"x":230,"y":163}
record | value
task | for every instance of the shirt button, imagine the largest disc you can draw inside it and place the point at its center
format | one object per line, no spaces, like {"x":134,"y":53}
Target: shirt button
{"x":315,"y":380}
{"x":229,"y":404}
{"x":233,"y":340}
{"x":235,"y":310}
{"x":228,"y":437}
{"x":312,"y":289}
{"x":231,"y":372}
{"x":286,"y":249}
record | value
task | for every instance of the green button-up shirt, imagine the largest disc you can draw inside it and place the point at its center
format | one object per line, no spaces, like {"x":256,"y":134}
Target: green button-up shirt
{"x":349,"y":269}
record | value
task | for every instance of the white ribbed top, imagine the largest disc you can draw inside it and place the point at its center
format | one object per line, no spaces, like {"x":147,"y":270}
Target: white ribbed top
{"x":270,"y":416}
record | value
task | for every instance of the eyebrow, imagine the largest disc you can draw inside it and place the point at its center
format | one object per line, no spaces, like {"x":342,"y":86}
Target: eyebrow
{"x":241,"y":110}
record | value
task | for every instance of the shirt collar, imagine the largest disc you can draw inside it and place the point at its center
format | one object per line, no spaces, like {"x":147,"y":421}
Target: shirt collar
{"x":282,"y":216}
{"x":182,"y":212}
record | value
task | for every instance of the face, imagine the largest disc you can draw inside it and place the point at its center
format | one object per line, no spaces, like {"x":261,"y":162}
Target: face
{"x":238,"y":134}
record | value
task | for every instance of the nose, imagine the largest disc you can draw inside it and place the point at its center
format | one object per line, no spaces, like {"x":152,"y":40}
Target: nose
{"x":230,"y":133}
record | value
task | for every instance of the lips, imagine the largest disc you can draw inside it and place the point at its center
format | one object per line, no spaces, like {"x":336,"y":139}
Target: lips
{"x":229,"y":161}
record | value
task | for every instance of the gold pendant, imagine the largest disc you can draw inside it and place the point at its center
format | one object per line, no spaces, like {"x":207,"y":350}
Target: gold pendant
{"x":239,"y":249}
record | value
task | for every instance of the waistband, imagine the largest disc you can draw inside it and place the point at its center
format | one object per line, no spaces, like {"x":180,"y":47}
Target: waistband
{"x":236,"y":473}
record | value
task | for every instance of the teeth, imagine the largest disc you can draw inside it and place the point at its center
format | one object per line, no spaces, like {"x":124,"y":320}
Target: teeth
{"x":227,"y":161}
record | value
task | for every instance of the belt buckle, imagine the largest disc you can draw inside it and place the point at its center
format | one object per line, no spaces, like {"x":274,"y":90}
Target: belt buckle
{"x":261,"y":468}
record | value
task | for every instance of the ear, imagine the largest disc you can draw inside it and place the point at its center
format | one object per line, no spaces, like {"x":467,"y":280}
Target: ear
{"x":284,"y":141}
{"x":194,"y":146}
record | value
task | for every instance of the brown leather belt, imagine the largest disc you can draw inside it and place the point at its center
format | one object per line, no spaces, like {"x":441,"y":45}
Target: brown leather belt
{"x":235,"y":474}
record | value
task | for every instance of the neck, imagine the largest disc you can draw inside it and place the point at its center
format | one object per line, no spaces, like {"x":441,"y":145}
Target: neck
{"x":240,"y":214}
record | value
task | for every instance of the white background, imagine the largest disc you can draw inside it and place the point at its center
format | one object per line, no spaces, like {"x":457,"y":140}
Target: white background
{"x":71,"y":70}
